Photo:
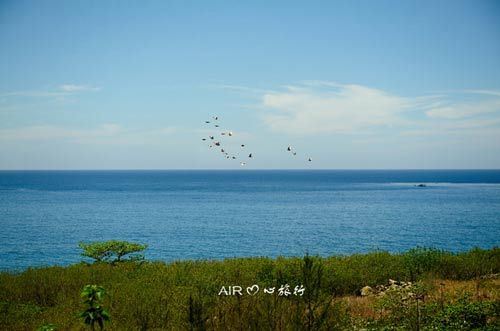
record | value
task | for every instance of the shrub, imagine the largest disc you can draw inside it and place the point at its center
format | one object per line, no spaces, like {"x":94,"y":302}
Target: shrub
{"x":463,"y":315}
{"x":112,"y":251}
{"x":196,"y":316}
{"x":95,"y":313}
{"x":404,"y":306}
{"x":422,"y":260}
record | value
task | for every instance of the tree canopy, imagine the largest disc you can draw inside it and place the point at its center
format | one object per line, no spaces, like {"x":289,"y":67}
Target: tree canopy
{"x":112,"y":251}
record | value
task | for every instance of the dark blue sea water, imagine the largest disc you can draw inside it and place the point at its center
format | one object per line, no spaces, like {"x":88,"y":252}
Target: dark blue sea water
{"x":218,"y":214}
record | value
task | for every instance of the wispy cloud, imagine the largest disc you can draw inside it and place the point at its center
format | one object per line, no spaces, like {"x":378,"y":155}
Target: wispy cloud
{"x":463,"y":110}
{"x":61,"y":91}
{"x":77,"y":88}
{"x":104,"y":134}
{"x":47,"y":132}
{"x":34,"y":94}
{"x":332,"y":108}
{"x":239,"y":88}
{"x":318,"y":107}
{"x":487,"y":92}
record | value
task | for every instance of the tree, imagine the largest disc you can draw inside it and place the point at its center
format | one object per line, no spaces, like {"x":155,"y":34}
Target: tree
{"x":95,"y":313}
{"x":112,"y":250}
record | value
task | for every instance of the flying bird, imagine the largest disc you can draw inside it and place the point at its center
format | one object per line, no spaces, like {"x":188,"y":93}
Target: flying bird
{"x":230,"y":134}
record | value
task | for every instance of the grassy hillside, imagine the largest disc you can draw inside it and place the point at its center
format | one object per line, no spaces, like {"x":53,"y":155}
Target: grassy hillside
{"x":448,"y":292}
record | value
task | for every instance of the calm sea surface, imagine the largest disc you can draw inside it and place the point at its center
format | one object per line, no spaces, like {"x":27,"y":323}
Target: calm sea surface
{"x":218,"y":214}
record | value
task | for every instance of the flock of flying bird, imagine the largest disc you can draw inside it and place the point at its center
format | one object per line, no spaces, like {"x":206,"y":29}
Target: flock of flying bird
{"x":216,"y":144}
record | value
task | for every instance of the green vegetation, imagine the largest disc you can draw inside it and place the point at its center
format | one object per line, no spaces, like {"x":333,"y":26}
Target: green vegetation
{"x":450,"y":292}
{"x":112,"y":251}
{"x":93,"y":296}
{"x":47,"y":327}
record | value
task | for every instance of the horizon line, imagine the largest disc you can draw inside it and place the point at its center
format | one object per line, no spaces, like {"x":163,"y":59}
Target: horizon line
{"x":262,"y":169}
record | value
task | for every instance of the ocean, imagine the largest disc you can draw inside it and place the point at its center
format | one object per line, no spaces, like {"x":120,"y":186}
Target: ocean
{"x":241,"y":213}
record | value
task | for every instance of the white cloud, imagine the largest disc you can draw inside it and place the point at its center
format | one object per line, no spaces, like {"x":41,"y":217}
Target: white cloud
{"x":34,"y":94}
{"x":316,"y":107}
{"x":77,"y":88}
{"x":47,"y":132}
{"x":239,"y":88}
{"x":338,"y":109}
{"x":463,"y":110}
{"x":458,"y":127}
{"x":487,"y":92}
{"x":60,"y":91}
{"x":109,"y":133}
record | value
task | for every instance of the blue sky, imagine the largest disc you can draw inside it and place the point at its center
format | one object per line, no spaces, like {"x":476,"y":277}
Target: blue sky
{"x":351,"y":84}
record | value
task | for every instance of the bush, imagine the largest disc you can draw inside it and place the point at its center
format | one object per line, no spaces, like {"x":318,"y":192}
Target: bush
{"x":95,"y":313}
{"x":463,"y":315}
{"x":421,"y":260}
{"x":112,"y":251}
{"x":155,"y":295}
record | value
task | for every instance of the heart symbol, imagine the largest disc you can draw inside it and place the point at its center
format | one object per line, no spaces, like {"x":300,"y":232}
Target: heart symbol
{"x":252,"y":290}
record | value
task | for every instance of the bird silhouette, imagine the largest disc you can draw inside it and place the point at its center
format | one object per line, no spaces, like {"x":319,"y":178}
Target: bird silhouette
{"x":230,"y":134}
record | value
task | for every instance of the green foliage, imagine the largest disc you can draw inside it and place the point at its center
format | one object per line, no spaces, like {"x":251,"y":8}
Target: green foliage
{"x":47,"y":327}
{"x":195,"y":317}
{"x":156,"y":295}
{"x":420,"y":260}
{"x":316,"y":311}
{"x":405,"y":305}
{"x":93,"y":296}
{"x":465,"y":314}
{"x":112,"y":251}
